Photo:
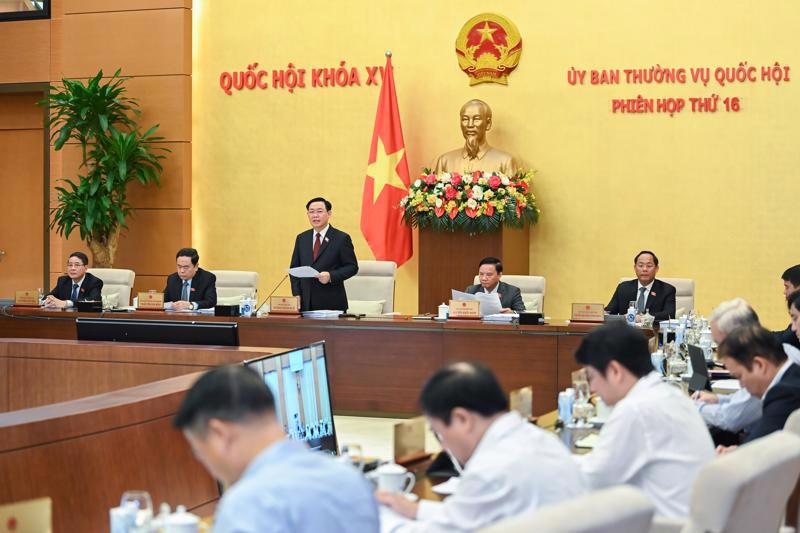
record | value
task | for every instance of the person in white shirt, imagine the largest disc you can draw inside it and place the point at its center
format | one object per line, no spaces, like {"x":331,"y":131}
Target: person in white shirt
{"x":509,"y":465}
{"x":654,"y":439}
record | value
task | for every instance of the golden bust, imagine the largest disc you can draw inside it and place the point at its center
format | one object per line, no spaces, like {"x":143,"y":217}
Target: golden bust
{"x":476,"y":120}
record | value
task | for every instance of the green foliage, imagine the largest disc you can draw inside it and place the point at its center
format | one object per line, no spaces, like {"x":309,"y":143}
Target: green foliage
{"x":115,"y":152}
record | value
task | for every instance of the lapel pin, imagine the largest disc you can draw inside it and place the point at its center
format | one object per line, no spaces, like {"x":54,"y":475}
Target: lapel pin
{"x":652,"y":293}
{"x":326,"y":239}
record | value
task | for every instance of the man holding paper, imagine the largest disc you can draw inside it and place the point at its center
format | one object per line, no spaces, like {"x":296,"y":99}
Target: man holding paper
{"x":328,"y":251}
{"x":490,"y":270}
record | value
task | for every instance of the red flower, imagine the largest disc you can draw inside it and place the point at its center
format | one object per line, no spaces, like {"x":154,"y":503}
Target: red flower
{"x":519,"y":211}
{"x":494,"y":182}
{"x":470,"y":212}
{"x":450,"y":192}
{"x":524,"y":186}
{"x":469,"y":193}
{"x":488,"y":210}
{"x":453,"y":213}
{"x":477,"y":174}
{"x":439,"y":211}
{"x":430,"y":179}
{"x":455,"y":179}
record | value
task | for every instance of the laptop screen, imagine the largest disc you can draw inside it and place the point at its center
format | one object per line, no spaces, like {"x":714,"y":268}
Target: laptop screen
{"x":298,"y":380}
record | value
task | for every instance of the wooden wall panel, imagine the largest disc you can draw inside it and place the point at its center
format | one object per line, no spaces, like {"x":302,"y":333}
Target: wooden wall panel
{"x":167,"y":101}
{"x":151,"y":42}
{"x":25,"y":51}
{"x":4,"y":390}
{"x":20,"y":112}
{"x":156,"y":283}
{"x":149,"y":247}
{"x":96,"y":6}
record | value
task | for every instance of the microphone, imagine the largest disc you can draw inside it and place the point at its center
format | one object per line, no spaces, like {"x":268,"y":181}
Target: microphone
{"x":273,"y":292}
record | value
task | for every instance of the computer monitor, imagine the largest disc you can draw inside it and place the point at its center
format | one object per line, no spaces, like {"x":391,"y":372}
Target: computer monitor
{"x":299,"y":382}
{"x":164,"y":331}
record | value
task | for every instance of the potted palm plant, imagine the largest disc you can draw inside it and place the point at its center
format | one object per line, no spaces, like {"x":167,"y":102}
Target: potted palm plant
{"x":102,"y":119}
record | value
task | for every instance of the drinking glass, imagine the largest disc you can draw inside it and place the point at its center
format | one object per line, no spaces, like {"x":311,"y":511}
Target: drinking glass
{"x":144,"y":505}
{"x":354,"y":455}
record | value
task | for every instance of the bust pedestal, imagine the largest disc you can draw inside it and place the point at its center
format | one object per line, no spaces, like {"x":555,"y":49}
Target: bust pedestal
{"x":449,"y":260}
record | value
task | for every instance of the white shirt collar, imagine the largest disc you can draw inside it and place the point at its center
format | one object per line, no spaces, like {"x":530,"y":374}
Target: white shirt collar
{"x":493,"y":291}
{"x":80,"y":281}
{"x":643,"y":384}
{"x":649,"y":286}
{"x":496,"y":431}
{"x":778,"y":376}
{"x":321,"y":232}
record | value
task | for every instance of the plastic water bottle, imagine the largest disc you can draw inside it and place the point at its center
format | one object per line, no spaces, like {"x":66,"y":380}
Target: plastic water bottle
{"x":630,"y":316}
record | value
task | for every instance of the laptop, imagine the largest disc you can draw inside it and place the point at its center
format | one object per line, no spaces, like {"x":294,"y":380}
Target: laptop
{"x":699,"y":379}
{"x":298,"y":379}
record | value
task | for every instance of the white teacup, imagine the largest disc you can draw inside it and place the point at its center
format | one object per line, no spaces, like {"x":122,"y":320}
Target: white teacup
{"x":181,"y":521}
{"x":395,"y":478}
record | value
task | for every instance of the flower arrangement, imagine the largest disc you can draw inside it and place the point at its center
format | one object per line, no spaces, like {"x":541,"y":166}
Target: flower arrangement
{"x":477,"y":202}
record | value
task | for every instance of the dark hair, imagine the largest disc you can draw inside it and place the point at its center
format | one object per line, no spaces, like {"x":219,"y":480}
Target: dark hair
{"x":191,"y":253}
{"x":655,"y":257}
{"x":618,"y":342}
{"x":328,"y":205}
{"x":792,"y":275}
{"x":232,"y":393}
{"x":470,"y":386}
{"x":492,"y":261}
{"x":745,"y":342}
{"x":794,"y":300}
{"x":81,"y":256}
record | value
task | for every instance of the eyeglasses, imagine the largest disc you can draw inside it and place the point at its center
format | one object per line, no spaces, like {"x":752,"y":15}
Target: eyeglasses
{"x":76,"y":265}
{"x":317,"y":212}
{"x":184,"y":267}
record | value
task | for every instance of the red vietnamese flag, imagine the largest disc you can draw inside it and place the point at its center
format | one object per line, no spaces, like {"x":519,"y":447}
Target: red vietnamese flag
{"x":387,"y":181}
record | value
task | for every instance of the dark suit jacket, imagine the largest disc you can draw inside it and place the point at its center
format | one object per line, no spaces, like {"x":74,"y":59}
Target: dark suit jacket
{"x":510,"y":296}
{"x":660,"y":301}
{"x":337,"y":257}
{"x":778,"y":404}
{"x":203,"y":290}
{"x":787,"y":336}
{"x":91,"y":288}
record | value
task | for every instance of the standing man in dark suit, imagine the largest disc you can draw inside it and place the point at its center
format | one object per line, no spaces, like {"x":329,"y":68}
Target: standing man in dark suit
{"x":330,"y":252}
{"x":756,"y":358}
{"x":791,"y":284}
{"x":490,"y":270}
{"x":648,"y":292}
{"x":191,"y":287}
{"x":77,"y":285}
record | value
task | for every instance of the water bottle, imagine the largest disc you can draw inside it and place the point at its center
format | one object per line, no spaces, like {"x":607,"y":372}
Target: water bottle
{"x":570,"y":392}
{"x":630,"y":316}
{"x":563,"y":403}
{"x":444,"y":310}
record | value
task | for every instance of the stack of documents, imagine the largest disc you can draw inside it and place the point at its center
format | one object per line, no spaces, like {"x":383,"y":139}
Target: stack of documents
{"x":322,"y":313}
{"x":490,"y":303}
{"x":500,"y":317}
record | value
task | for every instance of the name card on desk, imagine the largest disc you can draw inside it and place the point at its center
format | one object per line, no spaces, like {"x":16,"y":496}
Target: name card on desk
{"x":588,"y":313}
{"x":284,"y":305}
{"x":26,"y":298}
{"x":409,"y":440}
{"x":465,"y":309}
{"x":151,"y":300}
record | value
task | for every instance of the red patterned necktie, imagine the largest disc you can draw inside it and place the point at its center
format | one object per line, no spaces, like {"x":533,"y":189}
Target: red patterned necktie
{"x":317,"y":244}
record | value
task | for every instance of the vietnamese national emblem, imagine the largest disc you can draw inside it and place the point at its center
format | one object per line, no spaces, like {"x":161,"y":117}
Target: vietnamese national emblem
{"x":488,"y":48}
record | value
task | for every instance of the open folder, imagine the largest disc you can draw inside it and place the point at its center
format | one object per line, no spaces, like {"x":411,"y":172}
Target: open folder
{"x":490,"y":303}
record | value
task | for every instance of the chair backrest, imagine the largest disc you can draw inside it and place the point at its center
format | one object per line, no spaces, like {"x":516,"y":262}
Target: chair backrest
{"x":793,"y":423}
{"x":116,"y":281}
{"x":233,"y":285}
{"x":618,"y":509}
{"x":684,"y":293}
{"x":374,"y":282}
{"x":746,"y":490}
{"x":30,"y":516}
{"x":531,"y":287}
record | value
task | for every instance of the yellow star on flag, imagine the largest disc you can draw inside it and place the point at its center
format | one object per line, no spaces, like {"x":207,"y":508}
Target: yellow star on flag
{"x":487,"y":32}
{"x":384,"y":170}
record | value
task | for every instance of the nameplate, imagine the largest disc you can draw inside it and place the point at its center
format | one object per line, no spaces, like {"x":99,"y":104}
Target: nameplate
{"x":26,"y":298}
{"x":409,"y":440}
{"x":151,"y":300}
{"x":588,"y":313}
{"x":465,"y":309}
{"x":284,"y":305}
{"x":521,"y":401}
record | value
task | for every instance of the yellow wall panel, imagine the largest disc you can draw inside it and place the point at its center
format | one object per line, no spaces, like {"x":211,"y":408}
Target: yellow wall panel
{"x":710,"y":193}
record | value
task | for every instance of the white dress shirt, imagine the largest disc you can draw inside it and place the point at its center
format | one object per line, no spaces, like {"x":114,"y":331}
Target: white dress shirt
{"x":321,"y":232}
{"x":515,"y":467}
{"x":646,"y":293}
{"x":68,"y":303}
{"x":654,"y":440}
{"x":168,"y":305}
{"x":737,"y":411}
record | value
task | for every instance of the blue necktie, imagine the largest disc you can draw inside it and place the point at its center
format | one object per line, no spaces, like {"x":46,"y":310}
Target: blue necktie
{"x":185,"y":292}
{"x":74,"y":296}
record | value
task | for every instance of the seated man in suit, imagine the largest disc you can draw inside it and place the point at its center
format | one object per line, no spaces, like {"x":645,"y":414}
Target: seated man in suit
{"x":649,"y":293}
{"x":510,"y":466}
{"x":330,"y":252}
{"x":191,"y":287}
{"x":791,"y":284}
{"x":77,"y":285}
{"x":654,"y":439}
{"x":490,"y":270}
{"x":756,"y":358}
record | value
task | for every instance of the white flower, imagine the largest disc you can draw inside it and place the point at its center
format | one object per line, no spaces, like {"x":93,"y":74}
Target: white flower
{"x":504,"y":180}
{"x":487,"y":175}
{"x":439,"y":202}
{"x":445,"y":177}
{"x":477,"y":192}
{"x":468,"y":179}
{"x":471,"y":203}
{"x":418,"y":183}
{"x":439,"y":186}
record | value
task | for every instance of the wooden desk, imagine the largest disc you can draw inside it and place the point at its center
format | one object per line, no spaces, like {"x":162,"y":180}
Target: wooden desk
{"x":378,"y":365}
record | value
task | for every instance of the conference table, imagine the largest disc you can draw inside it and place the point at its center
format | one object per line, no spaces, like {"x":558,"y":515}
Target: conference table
{"x":376,"y":365}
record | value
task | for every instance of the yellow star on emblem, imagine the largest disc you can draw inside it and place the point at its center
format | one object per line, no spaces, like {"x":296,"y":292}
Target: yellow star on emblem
{"x":486,"y":32}
{"x":384,"y":170}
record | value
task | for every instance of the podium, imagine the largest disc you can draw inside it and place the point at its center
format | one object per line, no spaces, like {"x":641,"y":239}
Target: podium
{"x":449,"y":260}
